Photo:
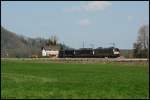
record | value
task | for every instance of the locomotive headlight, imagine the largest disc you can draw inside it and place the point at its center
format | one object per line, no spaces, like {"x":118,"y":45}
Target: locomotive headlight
{"x":116,"y":52}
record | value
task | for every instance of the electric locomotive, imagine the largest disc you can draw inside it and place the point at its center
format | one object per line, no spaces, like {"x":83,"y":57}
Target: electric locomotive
{"x":90,"y":53}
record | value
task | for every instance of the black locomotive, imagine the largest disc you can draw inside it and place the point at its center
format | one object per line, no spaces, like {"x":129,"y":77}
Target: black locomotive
{"x":90,"y":53}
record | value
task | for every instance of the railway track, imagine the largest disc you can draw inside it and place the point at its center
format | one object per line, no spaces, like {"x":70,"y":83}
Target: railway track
{"x":83,"y":60}
{"x":80,"y":59}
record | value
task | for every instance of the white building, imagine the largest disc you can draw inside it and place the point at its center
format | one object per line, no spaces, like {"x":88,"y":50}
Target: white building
{"x":43,"y":52}
{"x":49,"y":53}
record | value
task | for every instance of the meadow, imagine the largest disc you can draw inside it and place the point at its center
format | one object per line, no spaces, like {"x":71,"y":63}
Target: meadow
{"x":37,"y":80}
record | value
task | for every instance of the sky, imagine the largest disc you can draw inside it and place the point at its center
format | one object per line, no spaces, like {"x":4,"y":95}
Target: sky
{"x":94,"y":23}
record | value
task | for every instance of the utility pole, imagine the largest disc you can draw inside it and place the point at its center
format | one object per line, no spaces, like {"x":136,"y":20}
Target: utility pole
{"x":83,"y":44}
{"x":63,"y":46}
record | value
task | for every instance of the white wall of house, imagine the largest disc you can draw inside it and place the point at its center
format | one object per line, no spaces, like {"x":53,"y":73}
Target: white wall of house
{"x":43,"y":52}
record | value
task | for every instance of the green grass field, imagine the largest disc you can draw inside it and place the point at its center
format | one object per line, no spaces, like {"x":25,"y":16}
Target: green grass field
{"x":33,"y":79}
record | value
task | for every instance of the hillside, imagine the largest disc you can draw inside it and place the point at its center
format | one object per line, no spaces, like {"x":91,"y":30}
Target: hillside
{"x":9,"y":40}
{"x":13,"y":45}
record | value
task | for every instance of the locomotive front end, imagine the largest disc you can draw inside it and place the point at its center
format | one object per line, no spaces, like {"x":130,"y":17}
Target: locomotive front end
{"x":116,"y":52}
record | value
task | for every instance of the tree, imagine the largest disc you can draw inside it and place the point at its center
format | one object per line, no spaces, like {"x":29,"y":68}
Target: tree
{"x":52,"y":41}
{"x":143,"y":37}
{"x":141,"y":47}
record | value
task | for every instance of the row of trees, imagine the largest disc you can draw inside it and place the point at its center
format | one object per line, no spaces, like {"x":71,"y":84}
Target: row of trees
{"x":52,"y":42}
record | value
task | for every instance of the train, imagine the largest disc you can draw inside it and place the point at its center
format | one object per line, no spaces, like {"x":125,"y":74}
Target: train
{"x":100,"y":52}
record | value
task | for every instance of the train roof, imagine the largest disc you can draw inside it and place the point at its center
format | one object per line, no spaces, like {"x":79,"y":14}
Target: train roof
{"x":105,"y":48}
{"x":85,"y":48}
{"x":99,"y":48}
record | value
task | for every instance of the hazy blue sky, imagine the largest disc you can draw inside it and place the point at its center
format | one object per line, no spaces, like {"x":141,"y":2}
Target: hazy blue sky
{"x":95,"y":22}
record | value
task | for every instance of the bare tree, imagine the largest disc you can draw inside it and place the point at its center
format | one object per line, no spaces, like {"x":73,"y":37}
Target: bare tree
{"x":143,"y":37}
{"x":141,"y":47}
